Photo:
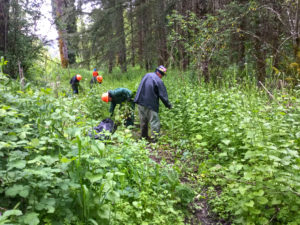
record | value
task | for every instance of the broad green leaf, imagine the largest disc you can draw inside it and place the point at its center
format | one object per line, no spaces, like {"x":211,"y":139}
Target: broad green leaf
{"x":104,"y":212}
{"x":103,"y":163}
{"x":35,"y":142}
{"x":14,"y":212}
{"x":119,"y":174}
{"x":263,"y":220}
{"x":109,"y":175}
{"x":113,"y":196}
{"x":275,"y":201}
{"x":199,"y":137}
{"x":223,"y":154}
{"x":19,"y":164}
{"x":101,"y":146}
{"x":262,"y":200}
{"x":249,"y":204}
{"x":17,"y":189}
{"x":31,"y":218}
{"x":242,"y":190}
{"x":137,"y":204}
{"x":4,"y":145}
{"x":93,"y":177}
{"x":259,"y":193}
{"x":22,"y":135}
{"x":48,"y":204}
{"x":65,"y":160}
{"x":226,"y":142}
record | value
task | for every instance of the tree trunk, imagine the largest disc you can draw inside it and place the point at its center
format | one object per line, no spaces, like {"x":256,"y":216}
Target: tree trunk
{"x":141,"y":31}
{"x":205,"y":70}
{"x":4,"y":17}
{"x":148,"y":35}
{"x":120,"y":35}
{"x":63,"y":48}
{"x":297,"y":50}
{"x":183,"y":58}
{"x":260,"y":61}
{"x":161,"y":32}
{"x":71,"y":19}
{"x":132,"y":32}
{"x":297,"y":39}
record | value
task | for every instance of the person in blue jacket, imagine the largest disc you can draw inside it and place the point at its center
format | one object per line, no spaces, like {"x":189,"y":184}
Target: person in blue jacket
{"x":150,"y":90}
{"x":75,"y":83}
{"x":120,"y":96}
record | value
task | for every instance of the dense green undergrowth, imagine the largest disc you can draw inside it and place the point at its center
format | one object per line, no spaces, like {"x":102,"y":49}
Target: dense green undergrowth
{"x":51,"y":172}
{"x":238,"y":149}
{"x":241,"y":148}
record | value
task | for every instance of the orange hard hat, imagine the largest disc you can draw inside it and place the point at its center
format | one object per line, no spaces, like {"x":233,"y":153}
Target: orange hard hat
{"x":105,"y":97}
{"x":99,"y":79}
{"x":78,"y":77}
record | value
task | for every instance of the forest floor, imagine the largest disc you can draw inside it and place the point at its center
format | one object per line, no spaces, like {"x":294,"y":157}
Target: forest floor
{"x":200,"y":212}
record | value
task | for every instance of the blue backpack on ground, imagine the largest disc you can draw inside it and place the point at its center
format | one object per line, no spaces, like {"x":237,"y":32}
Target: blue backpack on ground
{"x":106,"y":125}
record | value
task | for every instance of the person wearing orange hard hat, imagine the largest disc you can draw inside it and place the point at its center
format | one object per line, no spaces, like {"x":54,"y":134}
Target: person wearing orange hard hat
{"x":95,"y":78}
{"x":75,"y":83}
{"x":99,"y":79}
{"x":120,"y":96}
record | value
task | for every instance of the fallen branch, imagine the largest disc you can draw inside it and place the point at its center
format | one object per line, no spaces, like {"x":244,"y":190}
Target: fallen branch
{"x":269,"y":93}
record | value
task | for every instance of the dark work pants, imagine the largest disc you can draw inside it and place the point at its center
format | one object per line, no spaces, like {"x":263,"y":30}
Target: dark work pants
{"x":75,"y":89}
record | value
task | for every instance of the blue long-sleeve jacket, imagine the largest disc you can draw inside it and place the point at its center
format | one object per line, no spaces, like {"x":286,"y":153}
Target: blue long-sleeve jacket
{"x":74,"y":81}
{"x":152,"y":89}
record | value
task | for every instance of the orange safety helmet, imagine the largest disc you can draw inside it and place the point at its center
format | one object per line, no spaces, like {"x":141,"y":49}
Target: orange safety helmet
{"x":105,"y":97}
{"x":99,"y":79}
{"x":78,"y":77}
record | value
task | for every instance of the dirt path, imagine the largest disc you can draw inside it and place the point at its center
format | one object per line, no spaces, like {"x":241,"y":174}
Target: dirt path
{"x":199,"y":208}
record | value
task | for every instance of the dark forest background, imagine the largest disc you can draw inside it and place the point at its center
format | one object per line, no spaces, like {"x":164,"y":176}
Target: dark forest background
{"x":208,"y":37}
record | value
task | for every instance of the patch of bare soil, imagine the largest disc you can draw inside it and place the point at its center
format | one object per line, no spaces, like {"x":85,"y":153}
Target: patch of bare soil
{"x":157,"y":154}
{"x":201,"y":213}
